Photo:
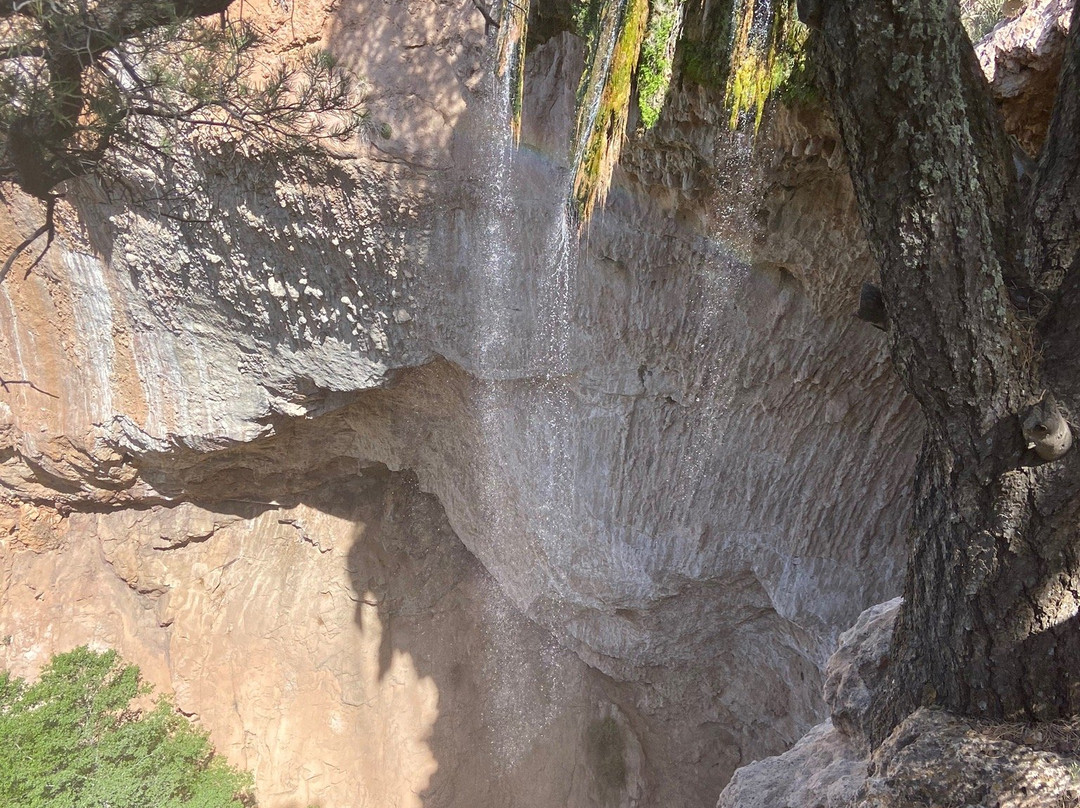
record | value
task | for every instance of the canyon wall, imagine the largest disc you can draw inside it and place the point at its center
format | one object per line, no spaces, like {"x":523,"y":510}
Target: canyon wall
{"x":413,"y":502}
{"x":933,"y":757}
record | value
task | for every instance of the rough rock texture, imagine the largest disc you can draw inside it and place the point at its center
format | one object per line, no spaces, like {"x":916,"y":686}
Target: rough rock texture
{"x":937,"y":759}
{"x":1021,"y":59}
{"x":808,"y":207}
{"x":931,"y":759}
{"x":827,"y":768}
{"x":821,"y":771}
{"x":857,"y":670}
{"x":689,"y":472}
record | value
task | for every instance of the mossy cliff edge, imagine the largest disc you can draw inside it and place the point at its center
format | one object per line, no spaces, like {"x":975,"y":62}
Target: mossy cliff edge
{"x":636,"y":49}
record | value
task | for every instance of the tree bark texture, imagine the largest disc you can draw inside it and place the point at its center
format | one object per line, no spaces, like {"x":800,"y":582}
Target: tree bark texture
{"x":981,"y":288}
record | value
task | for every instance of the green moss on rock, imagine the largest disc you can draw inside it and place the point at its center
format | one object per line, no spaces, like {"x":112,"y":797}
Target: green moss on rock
{"x":657,"y":58}
{"x":704,"y":52}
{"x":510,"y":60}
{"x":751,"y":49}
{"x":768,"y":58}
{"x":604,"y":99}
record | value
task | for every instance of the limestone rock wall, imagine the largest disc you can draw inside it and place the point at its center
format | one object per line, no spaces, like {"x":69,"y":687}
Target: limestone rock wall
{"x":675,"y":464}
{"x":343,"y":645}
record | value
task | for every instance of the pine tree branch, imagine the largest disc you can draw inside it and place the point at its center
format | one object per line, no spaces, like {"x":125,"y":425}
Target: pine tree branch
{"x":21,"y":52}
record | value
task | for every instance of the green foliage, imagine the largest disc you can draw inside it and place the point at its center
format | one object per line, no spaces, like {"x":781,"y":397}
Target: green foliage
{"x":980,"y":16}
{"x":753,"y":50}
{"x":657,"y":58}
{"x":73,"y":739}
{"x":585,"y":14}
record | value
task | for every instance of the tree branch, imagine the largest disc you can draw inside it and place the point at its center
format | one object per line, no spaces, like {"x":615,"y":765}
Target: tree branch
{"x":490,"y":23}
{"x":11,"y":8}
{"x":5,"y":382}
{"x":132,"y":17}
{"x":48,"y":227}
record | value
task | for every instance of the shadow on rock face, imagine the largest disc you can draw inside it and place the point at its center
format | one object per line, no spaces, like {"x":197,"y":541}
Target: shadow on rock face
{"x":517,"y":720}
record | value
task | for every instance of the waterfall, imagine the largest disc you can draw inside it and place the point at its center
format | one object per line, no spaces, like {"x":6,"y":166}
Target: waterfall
{"x":604,"y":99}
{"x":524,"y":303}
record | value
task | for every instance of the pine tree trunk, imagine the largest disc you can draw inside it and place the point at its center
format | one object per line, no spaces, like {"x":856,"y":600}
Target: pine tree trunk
{"x":980,"y":287}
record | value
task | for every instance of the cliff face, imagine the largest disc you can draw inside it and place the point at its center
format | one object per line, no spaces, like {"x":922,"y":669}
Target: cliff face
{"x":933,"y":757}
{"x":413,"y":502}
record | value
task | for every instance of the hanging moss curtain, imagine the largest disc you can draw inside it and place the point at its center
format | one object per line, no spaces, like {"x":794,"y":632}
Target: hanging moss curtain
{"x":604,"y":98}
{"x":767,"y":48}
{"x":510,"y":55}
{"x":637,"y":41}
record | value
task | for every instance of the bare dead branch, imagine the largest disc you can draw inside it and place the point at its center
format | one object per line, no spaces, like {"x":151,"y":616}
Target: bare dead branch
{"x":48,"y":227}
{"x":490,"y":23}
{"x":5,"y":382}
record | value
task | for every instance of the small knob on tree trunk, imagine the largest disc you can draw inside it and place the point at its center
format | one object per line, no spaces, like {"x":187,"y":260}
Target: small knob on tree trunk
{"x":1046,"y":430}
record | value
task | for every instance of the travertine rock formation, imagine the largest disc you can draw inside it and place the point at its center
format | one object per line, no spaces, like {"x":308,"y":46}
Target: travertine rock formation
{"x":677,"y":465}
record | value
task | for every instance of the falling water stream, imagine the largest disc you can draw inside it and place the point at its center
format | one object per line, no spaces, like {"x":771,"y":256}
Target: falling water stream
{"x":538,"y":441}
{"x":526,"y":293}
{"x":523,"y":334}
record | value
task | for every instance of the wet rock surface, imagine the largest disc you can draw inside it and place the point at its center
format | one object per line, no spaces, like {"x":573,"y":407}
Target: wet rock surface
{"x":676,"y":466}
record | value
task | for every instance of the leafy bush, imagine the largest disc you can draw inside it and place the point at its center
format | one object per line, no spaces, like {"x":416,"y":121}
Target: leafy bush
{"x":73,"y":739}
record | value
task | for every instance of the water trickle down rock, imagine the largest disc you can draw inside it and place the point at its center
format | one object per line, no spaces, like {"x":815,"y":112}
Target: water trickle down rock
{"x":732,"y":461}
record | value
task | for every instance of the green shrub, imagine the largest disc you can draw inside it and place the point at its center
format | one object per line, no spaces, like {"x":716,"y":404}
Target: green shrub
{"x":73,"y":739}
